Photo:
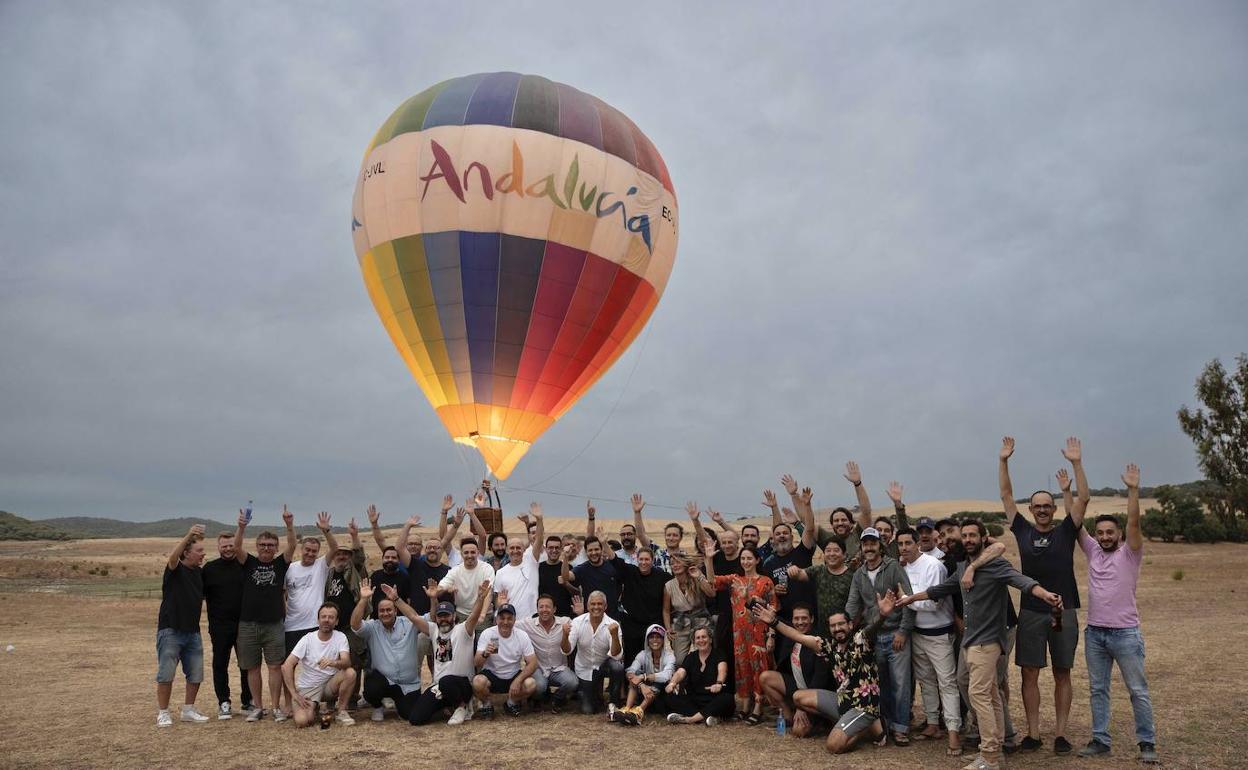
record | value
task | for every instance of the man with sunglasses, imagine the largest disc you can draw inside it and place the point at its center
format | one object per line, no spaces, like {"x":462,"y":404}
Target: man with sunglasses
{"x":1047,"y":550}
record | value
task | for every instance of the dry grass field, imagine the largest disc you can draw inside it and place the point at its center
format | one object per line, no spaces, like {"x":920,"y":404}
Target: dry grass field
{"x":78,"y":687}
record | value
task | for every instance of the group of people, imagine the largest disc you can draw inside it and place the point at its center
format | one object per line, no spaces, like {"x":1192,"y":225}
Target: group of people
{"x":835,"y":628}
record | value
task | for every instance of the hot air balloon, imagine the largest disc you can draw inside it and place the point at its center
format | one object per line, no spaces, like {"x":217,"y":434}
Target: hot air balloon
{"x":515,"y":235}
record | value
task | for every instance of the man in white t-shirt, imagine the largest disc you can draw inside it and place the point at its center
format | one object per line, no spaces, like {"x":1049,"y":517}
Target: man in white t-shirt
{"x":518,"y":578}
{"x":453,"y":663}
{"x":305,"y":589}
{"x":325,"y":672}
{"x":507,"y":661}
{"x":464,"y":580}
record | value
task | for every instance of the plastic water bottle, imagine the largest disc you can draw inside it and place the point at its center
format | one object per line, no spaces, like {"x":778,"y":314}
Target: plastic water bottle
{"x":247,"y":512}
{"x":781,"y":726}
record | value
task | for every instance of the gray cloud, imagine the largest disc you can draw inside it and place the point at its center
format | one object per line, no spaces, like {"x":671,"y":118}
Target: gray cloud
{"x":906,"y":230}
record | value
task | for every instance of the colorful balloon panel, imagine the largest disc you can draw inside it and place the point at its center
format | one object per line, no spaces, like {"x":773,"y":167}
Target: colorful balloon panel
{"x":515,"y":235}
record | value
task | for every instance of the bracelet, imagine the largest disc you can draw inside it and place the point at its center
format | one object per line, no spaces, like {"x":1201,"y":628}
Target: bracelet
{"x":857,"y":483}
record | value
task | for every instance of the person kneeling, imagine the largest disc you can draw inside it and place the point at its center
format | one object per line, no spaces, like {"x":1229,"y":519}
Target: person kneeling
{"x":325,"y":672}
{"x":798,"y":668}
{"x":650,"y":671}
{"x":703,"y":675}
{"x":507,"y":661}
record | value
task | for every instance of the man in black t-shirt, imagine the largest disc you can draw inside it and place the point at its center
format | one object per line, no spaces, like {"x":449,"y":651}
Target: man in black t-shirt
{"x":389,"y":575}
{"x":261,"y":636}
{"x":1047,"y":551}
{"x":223,"y":598}
{"x":598,"y":573}
{"x":550,"y":577}
{"x":177,"y":627}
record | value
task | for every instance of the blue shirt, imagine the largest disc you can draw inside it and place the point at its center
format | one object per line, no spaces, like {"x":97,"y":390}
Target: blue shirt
{"x":394,"y":651}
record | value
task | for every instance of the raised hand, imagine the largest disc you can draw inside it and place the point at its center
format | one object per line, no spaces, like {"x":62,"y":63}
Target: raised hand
{"x":432,"y":591}
{"x":1131,"y":476}
{"x":613,"y":629}
{"x":590,"y":510}
{"x":242,"y":518}
{"x":352,"y":528}
{"x":567,"y":628}
{"x":390,"y":591}
{"x":763,"y":612}
{"x":578,"y":605}
{"x":366,"y":589}
{"x":894,"y":492}
{"x":502,"y":597}
{"x":524,"y":519}
{"x":790,"y":485}
{"x":535,"y":508}
{"x":769,"y":499}
{"x":691,"y":508}
{"x":1007,"y":447}
{"x":196,"y":531}
{"x":322,"y":521}
{"x":483,"y":590}
{"x":448,"y":502}
{"x":887,"y":603}
{"x":1063,"y":479}
{"x":288,"y":518}
{"x":709,"y":546}
{"x":788,"y":516}
{"x":852,"y":474}
{"x":638,"y":503}
{"x":715,"y":515}
{"x":460,"y":515}
{"x":806,"y":495}
{"x":373,"y":515}
{"x":413,"y":521}
{"x":1073,"y":451}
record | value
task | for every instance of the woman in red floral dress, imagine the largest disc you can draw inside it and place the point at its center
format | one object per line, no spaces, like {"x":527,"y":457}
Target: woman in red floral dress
{"x":751,"y":640}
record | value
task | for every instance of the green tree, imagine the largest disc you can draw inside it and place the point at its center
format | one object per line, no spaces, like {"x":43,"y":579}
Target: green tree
{"x":1180,"y":515}
{"x":1220,"y":432}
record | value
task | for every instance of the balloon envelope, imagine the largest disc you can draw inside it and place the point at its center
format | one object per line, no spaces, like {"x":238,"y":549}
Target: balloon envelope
{"x":515,"y":235}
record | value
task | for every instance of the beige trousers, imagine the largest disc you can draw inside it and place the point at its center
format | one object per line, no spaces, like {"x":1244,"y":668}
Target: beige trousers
{"x":981,"y":661}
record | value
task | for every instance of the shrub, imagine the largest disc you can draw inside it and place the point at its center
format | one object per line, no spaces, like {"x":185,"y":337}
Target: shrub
{"x":1177,"y":574}
{"x":995,"y":529}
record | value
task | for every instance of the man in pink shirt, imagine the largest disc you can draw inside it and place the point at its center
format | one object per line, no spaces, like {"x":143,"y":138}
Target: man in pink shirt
{"x":1113,"y":634}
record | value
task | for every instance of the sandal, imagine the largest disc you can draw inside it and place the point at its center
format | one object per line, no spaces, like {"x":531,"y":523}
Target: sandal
{"x":753,"y":719}
{"x":952,"y":752}
{"x":901,"y":739}
{"x":739,"y":716}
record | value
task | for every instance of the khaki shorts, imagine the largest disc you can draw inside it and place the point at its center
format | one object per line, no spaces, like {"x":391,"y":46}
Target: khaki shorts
{"x":327,"y":690}
{"x":256,"y":640}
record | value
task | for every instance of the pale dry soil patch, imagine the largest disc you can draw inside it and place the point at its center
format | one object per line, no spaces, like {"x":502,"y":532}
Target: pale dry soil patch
{"x":79,"y":687}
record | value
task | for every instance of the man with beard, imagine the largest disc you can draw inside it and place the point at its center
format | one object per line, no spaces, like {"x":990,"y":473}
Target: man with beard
{"x":844,"y":527}
{"x":949,"y":540}
{"x":878,"y":575}
{"x":223,"y":597}
{"x":453,"y":659}
{"x":983,"y":585}
{"x":388,"y":575}
{"x":641,"y":598}
{"x":833,"y":581}
{"x":393,"y":638}
{"x":598,"y":573}
{"x":1113,"y":630}
{"x":854,"y":705}
{"x":305,"y":590}
{"x":325,"y":671}
{"x":342,"y":586}
{"x":798,"y":668}
{"x":545,"y":630}
{"x":519,"y":578}
{"x":596,"y":639}
{"x":673,"y":533}
{"x":260,"y":618}
{"x":1047,"y":551}
{"x":785,"y":554}
{"x":550,"y":576}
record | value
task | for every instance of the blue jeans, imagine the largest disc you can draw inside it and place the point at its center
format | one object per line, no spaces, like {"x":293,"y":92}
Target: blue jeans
{"x":894,"y":673}
{"x":564,"y":682}
{"x":1125,"y":646}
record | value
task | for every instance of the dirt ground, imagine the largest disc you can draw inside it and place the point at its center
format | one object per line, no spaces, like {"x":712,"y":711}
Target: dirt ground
{"x":78,"y":686}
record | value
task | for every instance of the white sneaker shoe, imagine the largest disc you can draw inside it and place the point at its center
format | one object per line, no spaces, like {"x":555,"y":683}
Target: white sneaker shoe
{"x":712,"y":721}
{"x":255,"y":715}
{"x":344,"y":718}
{"x":280,"y":716}
{"x":461,"y":715}
{"x":379,"y":715}
{"x":189,"y":714}
{"x":224,"y":711}
{"x":164,"y":718}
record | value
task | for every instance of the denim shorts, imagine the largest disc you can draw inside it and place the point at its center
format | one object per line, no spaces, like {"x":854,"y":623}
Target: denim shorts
{"x":174,"y":646}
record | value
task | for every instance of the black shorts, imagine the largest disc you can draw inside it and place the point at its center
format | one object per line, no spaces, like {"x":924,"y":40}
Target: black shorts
{"x":790,"y":686}
{"x":498,"y":685}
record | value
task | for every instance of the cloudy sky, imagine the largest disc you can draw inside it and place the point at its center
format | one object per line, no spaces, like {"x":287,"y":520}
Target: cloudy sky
{"x":906,"y":229}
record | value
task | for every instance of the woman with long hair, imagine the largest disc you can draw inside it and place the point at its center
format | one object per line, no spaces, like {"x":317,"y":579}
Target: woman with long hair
{"x":684,"y":604}
{"x":751,"y":640}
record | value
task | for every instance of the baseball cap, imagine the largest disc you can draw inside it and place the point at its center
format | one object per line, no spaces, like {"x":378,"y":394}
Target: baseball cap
{"x":925,"y":522}
{"x":445,"y":608}
{"x":655,"y":628}
{"x":869,"y":532}
{"x":506,"y":609}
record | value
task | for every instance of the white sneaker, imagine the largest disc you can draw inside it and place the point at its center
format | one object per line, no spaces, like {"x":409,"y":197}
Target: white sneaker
{"x":189,"y":714}
{"x":610,"y":712}
{"x":379,"y":715}
{"x":361,"y":704}
{"x":164,"y":718}
{"x":255,"y":715}
{"x":461,"y":715}
{"x":712,"y":721}
{"x":387,"y":703}
{"x":280,"y":716}
{"x":344,"y":718}
{"x":674,"y":718}
{"x":224,"y":711}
